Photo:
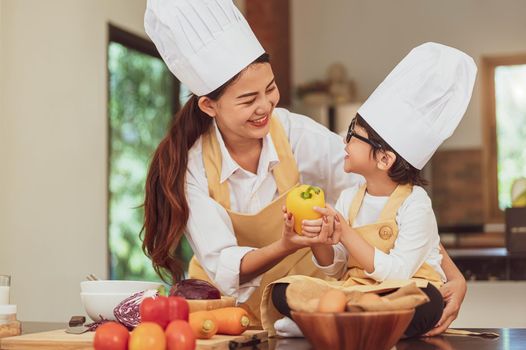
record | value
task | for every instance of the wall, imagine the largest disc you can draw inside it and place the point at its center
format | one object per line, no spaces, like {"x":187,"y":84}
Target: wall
{"x":2,"y":126}
{"x":371,"y":37}
{"x":270,"y":21}
{"x":54,"y":147}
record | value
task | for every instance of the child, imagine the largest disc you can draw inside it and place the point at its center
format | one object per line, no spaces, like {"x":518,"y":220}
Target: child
{"x":387,"y":229}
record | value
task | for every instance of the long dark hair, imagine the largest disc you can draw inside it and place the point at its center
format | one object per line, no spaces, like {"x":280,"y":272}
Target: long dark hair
{"x":401,"y":171}
{"x":166,"y":209}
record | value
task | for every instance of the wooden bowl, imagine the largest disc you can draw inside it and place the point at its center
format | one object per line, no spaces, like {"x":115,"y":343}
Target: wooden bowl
{"x":378,"y":330}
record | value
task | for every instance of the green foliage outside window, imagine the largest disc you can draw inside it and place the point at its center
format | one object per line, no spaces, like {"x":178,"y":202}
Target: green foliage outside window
{"x":140,"y":111}
{"x":510,"y":90}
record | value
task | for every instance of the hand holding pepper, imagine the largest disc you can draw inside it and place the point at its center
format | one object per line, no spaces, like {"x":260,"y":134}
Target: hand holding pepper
{"x":295,"y":241}
{"x":301,"y":201}
{"x":331,"y":224}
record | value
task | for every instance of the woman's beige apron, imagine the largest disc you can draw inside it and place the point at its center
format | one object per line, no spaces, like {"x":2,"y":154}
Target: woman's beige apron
{"x":382,"y":235}
{"x":263,"y":228}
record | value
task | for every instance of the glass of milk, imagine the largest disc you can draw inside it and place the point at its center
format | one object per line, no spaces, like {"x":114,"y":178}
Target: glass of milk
{"x":5,"y":282}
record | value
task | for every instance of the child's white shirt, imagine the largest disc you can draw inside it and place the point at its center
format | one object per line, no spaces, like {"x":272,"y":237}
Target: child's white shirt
{"x":417,"y":242}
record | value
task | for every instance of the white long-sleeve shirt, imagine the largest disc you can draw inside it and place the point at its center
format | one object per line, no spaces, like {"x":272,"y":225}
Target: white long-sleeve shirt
{"x":319,"y":155}
{"x":417,"y":242}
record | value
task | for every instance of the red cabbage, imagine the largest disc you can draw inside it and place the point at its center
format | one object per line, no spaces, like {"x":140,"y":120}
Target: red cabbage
{"x":127,"y":312}
{"x":195,"y":289}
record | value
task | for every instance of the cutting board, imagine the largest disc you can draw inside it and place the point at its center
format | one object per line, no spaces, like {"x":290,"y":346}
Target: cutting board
{"x":210,"y":304}
{"x":60,"y":340}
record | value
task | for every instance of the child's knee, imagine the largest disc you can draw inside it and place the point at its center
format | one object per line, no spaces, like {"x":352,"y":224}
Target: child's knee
{"x":426,"y":315}
{"x":279,"y":298}
{"x":436,"y":300}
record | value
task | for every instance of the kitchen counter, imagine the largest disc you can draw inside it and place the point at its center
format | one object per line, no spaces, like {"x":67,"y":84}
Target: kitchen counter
{"x":487,"y":264}
{"x":483,"y":253}
{"x":510,"y":339}
{"x":35,"y":327}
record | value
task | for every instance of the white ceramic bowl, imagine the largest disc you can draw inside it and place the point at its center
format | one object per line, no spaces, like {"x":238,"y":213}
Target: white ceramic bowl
{"x":109,"y":286}
{"x":101,"y":304}
{"x":99,"y":298}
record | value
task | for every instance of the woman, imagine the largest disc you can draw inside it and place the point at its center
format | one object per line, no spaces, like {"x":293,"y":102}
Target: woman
{"x":221,"y":174}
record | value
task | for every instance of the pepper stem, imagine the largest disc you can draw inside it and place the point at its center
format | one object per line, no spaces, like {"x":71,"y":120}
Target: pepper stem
{"x":307,"y":194}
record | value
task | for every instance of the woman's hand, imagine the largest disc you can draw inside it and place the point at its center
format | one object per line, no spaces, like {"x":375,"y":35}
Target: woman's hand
{"x":311,"y":228}
{"x":453,"y":293}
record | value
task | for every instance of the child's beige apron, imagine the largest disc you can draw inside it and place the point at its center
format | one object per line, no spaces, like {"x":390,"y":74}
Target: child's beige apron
{"x":382,"y":235}
{"x":263,"y":228}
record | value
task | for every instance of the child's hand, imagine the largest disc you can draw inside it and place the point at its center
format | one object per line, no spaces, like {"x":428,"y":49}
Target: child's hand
{"x":313,"y":228}
{"x":291,"y":240}
{"x":332,"y":224}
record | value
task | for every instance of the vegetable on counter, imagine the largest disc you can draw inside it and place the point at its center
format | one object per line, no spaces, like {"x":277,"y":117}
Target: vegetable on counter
{"x":195,"y":289}
{"x":147,"y":336}
{"x":179,"y":336}
{"x":127,"y":311}
{"x":178,"y":308}
{"x":162,"y":310}
{"x":231,"y":320}
{"x":204,"y":324}
{"x":111,"y":336}
{"x":301,"y":200}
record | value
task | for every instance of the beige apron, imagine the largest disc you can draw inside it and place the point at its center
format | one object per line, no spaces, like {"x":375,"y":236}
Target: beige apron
{"x":382,"y":235}
{"x":263,"y":228}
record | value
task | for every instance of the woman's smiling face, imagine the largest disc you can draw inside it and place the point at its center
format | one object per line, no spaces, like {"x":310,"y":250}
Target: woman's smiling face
{"x":244,"y":109}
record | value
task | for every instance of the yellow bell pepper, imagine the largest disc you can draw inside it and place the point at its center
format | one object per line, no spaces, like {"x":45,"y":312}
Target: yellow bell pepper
{"x":301,"y":200}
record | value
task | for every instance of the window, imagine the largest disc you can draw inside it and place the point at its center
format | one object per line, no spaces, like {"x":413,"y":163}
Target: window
{"x":142,"y":98}
{"x":504,"y":83}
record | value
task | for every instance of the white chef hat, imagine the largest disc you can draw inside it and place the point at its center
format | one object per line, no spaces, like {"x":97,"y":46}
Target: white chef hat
{"x":204,"y":43}
{"x":422,"y":101}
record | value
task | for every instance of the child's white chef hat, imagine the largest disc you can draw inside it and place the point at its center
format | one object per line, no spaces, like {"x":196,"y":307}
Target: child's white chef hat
{"x":422,"y":101}
{"x":203,"y":42}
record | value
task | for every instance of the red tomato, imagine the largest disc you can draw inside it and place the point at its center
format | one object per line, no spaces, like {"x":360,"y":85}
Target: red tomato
{"x":147,"y":336}
{"x":178,"y":308}
{"x":111,"y":336}
{"x":155,"y":310}
{"x":179,"y":336}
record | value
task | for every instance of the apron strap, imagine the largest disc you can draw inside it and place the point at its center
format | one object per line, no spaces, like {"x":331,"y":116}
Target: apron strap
{"x":396,"y":199}
{"x":356,"y":204}
{"x":286,"y":172}
{"x":212,"y":160}
{"x":390,"y":209}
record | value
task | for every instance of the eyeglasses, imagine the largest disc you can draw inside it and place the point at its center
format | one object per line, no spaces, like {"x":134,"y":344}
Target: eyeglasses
{"x":351,"y":134}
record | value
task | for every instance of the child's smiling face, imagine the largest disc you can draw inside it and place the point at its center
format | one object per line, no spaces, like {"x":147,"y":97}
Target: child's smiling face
{"x":359,"y":158}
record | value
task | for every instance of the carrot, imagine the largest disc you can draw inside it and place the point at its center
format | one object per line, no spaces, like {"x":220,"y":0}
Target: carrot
{"x":231,"y":320}
{"x":203,"y":323}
